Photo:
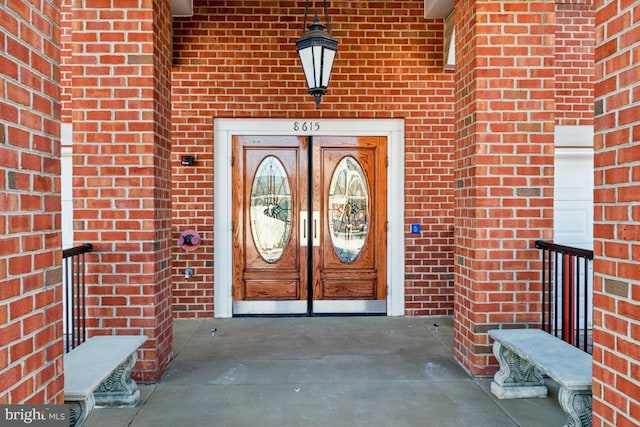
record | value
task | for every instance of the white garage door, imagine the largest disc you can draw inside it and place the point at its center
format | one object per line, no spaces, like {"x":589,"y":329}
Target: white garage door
{"x":573,"y":197}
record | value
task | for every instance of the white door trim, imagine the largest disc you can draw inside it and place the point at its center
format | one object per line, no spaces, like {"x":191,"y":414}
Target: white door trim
{"x":225,"y":129}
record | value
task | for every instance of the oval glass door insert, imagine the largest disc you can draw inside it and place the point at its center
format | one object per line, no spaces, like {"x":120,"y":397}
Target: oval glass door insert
{"x":348,"y":209}
{"x":270,"y":209}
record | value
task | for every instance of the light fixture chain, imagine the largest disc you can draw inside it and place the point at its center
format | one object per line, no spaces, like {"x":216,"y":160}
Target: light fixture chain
{"x":326,"y":16}
{"x":306,"y":11}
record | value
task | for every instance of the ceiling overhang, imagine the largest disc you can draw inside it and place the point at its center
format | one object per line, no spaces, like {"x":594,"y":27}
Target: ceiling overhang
{"x":437,"y":8}
{"x":181,"y":8}
{"x":449,"y":60}
{"x":444,"y":9}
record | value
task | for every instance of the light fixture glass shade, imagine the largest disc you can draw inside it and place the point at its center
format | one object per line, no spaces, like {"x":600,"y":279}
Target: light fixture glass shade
{"x":327,"y":65}
{"x":317,"y":50}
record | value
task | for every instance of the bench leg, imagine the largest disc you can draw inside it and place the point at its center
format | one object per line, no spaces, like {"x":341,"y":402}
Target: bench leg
{"x":119,"y":390}
{"x":79,"y":410}
{"x":577,"y":404}
{"x":517,"y":378}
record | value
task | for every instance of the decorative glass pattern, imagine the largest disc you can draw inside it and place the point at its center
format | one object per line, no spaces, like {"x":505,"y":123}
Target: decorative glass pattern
{"x":271,"y":209}
{"x":348,"y":209}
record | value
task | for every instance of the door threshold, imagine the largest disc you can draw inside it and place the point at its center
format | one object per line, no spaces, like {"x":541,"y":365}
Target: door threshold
{"x":348,"y":315}
{"x":283,"y":307}
{"x":349,"y":306}
{"x":267,"y":316}
{"x":299,"y":308}
{"x":284,"y":316}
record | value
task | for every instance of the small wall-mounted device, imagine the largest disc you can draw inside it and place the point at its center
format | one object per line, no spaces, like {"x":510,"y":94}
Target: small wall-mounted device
{"x":187,"y":160}
{"x":189,"y":240}
{"x":415,"y":228}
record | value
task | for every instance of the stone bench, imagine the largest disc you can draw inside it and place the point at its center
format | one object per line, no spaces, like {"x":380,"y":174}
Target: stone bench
{"x":525,"y":354}
{"x":98,"y":373}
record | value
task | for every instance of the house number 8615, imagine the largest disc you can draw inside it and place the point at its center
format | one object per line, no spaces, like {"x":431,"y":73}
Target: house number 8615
{"x":306,"y":126}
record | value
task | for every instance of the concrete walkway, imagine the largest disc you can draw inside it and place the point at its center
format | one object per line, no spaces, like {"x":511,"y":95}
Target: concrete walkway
{"x":323,"y":371}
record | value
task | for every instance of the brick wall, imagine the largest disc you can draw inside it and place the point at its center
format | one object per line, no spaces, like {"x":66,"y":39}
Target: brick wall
{"x":123,"y":179}
{"x":66,"y":44}
{"x":505,"y":113}
{"x":30,"y":239}
{"x":616,"y":369}
{"x":575,"y":45}
{"x":120,"y":109}
{"x":239,"y":60}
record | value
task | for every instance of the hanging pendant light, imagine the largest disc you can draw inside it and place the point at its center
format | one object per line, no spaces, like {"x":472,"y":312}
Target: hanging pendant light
{"x":317,"y":50}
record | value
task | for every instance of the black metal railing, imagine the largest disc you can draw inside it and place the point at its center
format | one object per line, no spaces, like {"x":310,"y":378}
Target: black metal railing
{"x":567,"y":293}
{"x":73,"y":284}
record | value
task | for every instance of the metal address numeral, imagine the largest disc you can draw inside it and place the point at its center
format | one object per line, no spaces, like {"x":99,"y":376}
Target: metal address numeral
{"x":306,"y":126}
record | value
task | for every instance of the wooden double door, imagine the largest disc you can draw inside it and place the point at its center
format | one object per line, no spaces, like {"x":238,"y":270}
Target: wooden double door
{"x":309,"y":225}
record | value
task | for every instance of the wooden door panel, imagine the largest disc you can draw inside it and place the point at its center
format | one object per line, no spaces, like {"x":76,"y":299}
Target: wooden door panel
{"x":268,"y":289}
{"x":362,"y":274}
{"x":268,"y":284}
{"x":348,"y":289}
{"x":258,"y":276}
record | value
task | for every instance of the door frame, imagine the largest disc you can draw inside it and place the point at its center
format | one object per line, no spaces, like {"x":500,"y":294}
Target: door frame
{"x":225,"y":129}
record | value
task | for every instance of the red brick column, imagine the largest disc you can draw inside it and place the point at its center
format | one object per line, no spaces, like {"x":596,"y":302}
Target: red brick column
{"x":504,"y":167}
{"x":30,"y":240}
{"x":616,"y":353}
{"x":122,"y":178}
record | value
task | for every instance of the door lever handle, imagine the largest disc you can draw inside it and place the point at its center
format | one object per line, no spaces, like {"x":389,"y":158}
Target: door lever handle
{"x":316,"y":232}
{"x":303,"y":228}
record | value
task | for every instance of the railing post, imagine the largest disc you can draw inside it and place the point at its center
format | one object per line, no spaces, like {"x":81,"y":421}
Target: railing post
{"x":74,"y":295}
{"x":561,"y":283}
{"x":568,"y":319}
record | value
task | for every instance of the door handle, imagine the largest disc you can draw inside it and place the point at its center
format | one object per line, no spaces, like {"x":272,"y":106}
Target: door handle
{"x":303,"y":228}
{"x":316,"y":228}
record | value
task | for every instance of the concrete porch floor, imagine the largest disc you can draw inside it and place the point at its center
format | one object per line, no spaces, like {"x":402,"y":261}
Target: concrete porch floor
{"x":322,"y":371}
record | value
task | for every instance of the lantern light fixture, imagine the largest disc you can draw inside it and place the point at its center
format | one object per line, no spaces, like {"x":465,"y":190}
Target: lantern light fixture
{"x":317,"y":50}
